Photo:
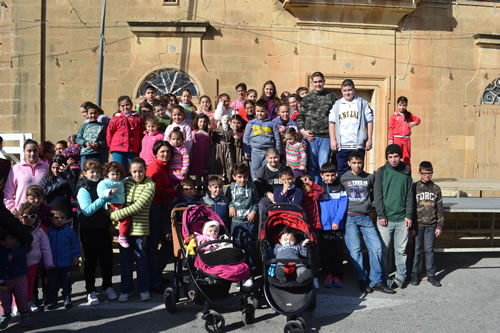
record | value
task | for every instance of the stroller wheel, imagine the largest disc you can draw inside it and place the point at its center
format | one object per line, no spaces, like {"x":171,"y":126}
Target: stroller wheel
{"x":248,"y":314}
{"x":169,"y":300}
{"x":214,"y":322}
{"x":303,"y":321}
{"x":294,"y":326}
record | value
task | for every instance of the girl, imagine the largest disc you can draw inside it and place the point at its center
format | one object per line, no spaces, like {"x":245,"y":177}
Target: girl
{"x":47,"y":151}
{"x":201,"y":149}
{"x":124,"y":133}
{"x":248,"y":112}
{"x":179,"y":163}
{"x":59,"y":183}
{"x":223,"y":150}
{"x":178,"y":116}
{"x":139,"y":192}
{"x":151,"y":135}
{"x":206,"y":109}
{"x":223,"y":108}
{"x":28,"y":215}
{"x":94,"y":232}
{"x":72,"y":154}
{"x":296,"y":152}
{"x":294,"y":102}
{"x":112,"y":187}
{"x":187,"y":104}
{"x":400,"y":125}
{"x":238,"y":127}
{"x":269,"y":95}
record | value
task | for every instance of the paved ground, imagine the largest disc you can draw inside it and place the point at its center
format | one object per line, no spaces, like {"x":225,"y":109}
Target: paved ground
{"x":469,"y":301}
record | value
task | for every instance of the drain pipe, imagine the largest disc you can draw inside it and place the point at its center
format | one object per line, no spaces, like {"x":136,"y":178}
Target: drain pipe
{"x":43,"y":44}
{"x":101,"y":53}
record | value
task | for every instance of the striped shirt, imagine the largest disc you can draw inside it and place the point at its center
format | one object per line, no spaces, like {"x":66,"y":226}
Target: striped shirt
{"x":138,"y":201}
{"x":178,"y":164}
{"x":296,"y":156}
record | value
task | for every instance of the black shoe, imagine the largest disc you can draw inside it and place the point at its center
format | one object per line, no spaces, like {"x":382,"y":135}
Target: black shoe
{"x":365,"y":287}
{"x":382,"y":288}
{"x":67,"y":303}
{"x":414,"y":281}
{"x":432,"y":280}
{"x":51,"y":306}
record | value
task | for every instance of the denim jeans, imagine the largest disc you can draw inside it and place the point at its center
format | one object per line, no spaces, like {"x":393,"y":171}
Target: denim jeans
{"x":424,"y":243}
{"x":353,"y":226}
{"x":399,"y":231}
{"x":83,"y":158}
{"x":244,"y":237}
{"x":58,"y":277}
{"x":123,"y":158}
{"x":342,"y":156}
{"x":158,"y":259}
{"x":318,"y":153}
{"x":127,"y":255}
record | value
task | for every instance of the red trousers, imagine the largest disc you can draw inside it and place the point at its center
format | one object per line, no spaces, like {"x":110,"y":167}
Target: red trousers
{"x":405,"y":144}
{"x":124,"y":223}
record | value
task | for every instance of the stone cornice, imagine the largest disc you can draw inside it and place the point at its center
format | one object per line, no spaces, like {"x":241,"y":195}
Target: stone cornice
{"x":169,"y":28}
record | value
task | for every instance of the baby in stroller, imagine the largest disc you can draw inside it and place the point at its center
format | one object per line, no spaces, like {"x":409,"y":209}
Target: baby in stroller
{"x":210,"y":232}
{"x":286,"y":249}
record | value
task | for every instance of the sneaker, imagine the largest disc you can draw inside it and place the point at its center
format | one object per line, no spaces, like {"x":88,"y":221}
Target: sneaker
{"x":4,"y":322}
{"x":34,"y":308}
{"x":67,"y":303}
{"x":123,"y":297}
{"x":25,"y":319}
{"x":414,"y":281}
{"x":145,"y":296}
{"x":123,"y":241}
{"x":328,"y":281}
{"x":248,"y":283}
{"x":14,"y":312}
{"x":337,"y":283}
{"x":399,"y":283}
{"x":92,"y":299}
{"x":432,"y":280}
{"x":51,"y":306}
{"x":316,"y":283}
{"x":110,"y":294}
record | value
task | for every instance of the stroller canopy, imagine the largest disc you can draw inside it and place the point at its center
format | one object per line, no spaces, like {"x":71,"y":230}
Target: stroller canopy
{"x":286,"y":214}
{"x":195,"y":217}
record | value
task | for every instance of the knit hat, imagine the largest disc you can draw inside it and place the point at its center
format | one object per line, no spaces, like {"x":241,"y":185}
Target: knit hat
{"x":393,"y":149}
{"x":210,"y":224}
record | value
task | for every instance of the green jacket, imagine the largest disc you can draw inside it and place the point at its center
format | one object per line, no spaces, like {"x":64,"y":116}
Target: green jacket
{"x":393,"y":193}
{"x":243,"y":199}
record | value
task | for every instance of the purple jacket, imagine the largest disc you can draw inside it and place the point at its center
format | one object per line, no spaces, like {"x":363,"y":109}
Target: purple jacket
{"x":40,"y":247}
{"x":148,"y":141}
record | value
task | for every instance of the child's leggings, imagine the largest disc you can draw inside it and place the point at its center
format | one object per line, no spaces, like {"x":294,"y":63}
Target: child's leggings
{"x":17,"y":287}
{"x":405,"y":144}
{"x":124,"y":223}
{"x":30,"y":277}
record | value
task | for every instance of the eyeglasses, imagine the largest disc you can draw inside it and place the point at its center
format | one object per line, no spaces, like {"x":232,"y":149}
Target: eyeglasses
{"x":30,"y":216}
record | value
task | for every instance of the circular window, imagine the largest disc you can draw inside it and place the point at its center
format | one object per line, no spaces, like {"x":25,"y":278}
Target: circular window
{"x":491,"y":94}
{"x":168,"y":81}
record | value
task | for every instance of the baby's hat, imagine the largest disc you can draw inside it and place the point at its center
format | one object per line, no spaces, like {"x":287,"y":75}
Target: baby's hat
{"x":210,"y":224}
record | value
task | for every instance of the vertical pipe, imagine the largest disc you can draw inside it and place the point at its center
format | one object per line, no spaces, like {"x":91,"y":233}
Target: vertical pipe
{"x":395,"y":73}
{"x":101,"y":53}
{"x":43,"y":43}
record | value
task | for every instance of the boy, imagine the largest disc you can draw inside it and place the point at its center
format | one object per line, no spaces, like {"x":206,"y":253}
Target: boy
{"x":260,"y":134}
{"x":351,"y":125}
{"x":150,"y":95}
{"x":394,"y":202}
{"x":430,"y":221}
{"x":146,"y":111}
{"x":215,"y":199}
{"x":359,"y":187}
{"x":91,"y":136}
{"x":61,"y":146}
{"x":187,"y":191}
{"x":35,"y":195}
{"x":302,"y":92}
{"x":267,"y":179}
{"x":241,"y":90}
{"x":160,"y":111}
{"x":333,"y":206}
{"x":287,"y":249}
{"x":243,"y":200}
{"x":283,"y":121}
{"x":287,"y":192}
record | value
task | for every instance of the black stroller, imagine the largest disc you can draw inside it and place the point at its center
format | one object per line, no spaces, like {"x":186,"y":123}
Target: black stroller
{"x":289,"y":298}
{"x":209,"y":274}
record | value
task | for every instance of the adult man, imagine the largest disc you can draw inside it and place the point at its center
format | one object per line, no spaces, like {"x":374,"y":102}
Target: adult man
{"x":313,"y":124}
{"x":351,"y":126}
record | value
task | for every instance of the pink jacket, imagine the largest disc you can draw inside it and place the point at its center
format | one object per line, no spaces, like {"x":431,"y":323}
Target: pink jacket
{"x":148,"y":141}
{"x":399,"y":127}
{"x":21,"y":176}
{"x":40,"y":247}
{"x":185,"y":129}
{"x":178,"y":165}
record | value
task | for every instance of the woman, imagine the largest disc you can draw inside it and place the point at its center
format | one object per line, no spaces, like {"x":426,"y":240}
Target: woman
{"x":164,"y":192}
{"x":139,"y":192}
{"x":22,"y":175}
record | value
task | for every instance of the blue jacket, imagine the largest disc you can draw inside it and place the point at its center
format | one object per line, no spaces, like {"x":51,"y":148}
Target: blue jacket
{"x":64,"y":245}
{"x":10,"y":269}
{"x":333,"y":206}
{"x":220,"y":205}
{"x":261,"y":135}
{"x":293,"y":195}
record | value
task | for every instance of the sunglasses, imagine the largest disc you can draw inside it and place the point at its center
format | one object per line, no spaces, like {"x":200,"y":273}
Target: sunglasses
{"x":30,"y":216}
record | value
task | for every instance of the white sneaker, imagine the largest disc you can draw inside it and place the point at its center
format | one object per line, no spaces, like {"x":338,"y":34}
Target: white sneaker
{"x":248,"y":283}
{"x":14,"y":312}
{"x":110,"y":294}
{"x":92,"y":299}
{"x":316,"y":283}
{"x":145,"y":296}
{"x":123,"y":298}
{"x":34,"y":307}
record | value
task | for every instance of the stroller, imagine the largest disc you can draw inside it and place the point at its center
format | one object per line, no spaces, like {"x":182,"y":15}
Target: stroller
{"x":209,"y":273}
{"x":289,"y":298}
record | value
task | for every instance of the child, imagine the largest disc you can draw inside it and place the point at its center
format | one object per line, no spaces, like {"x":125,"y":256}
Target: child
{"x":287,"y":249}
{"x":160,"y":112}
{"x":150,"y":95}
{"x":151,"y":135}
{"x":47,"y":151}
{"x":91,"y":136}
{"x":146,"y":111}
{"x":238,"y":131}
{"x":248,"y":111}
{"x":60,"y":146}
{"x":201,"y":149}
{"x":13,"y":271}
{"x":217,"y":200}
{"x":35,"y":195}
{"x":241,"y":90}
{"x":294,"y":103}
{"x":28,"y":215}
{"x":178,"y":120}
{"x":295,"y":152}
{"x":187,"y":104}
{"x":210,"y":232}
{"x":112,"y":187}
{"x":59,"y":183}
{"x":333,"y":207}
{"x":287,"y":192}
{"x":270,"y":99}
{"x":359,"y":188}
{"x":283,"y":122}
{"x":178,"y":164}
{"x":223,"y":150}
{"x":394,"y":202}
{"x":72,"y":155}
{"x":94,"y":232}
{"x":302,"y":92}
{"x":400,"y":125}
{"x":267,"y":179}
{"x":223,"y":108}
{"x":430,"y":221}
{"x":243,"y":200}
{"x":260,"y":134}
{"x":206,"y":109}
{"x":65,"y":251}
{"x":187,"y":192}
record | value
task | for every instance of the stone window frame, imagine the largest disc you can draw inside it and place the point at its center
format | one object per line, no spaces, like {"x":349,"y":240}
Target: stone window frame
{"x":491,"y":94}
